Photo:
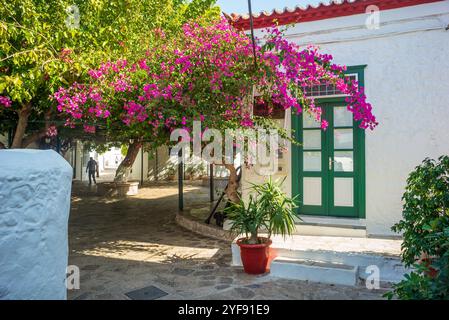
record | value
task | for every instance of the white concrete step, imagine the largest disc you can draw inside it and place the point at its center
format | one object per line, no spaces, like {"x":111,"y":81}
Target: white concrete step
{"x":331,"y":226}
{"x":363,"y":253}
{"x":319,"y":226}
{"x":329,"y":230}
{"x":315,"y":271}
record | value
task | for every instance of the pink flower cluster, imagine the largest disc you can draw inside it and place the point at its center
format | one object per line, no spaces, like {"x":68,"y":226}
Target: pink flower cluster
{"x":52,"y":131}
{"x":89,"y":128}
{"x":299,"y":68}
{"x":134,"y":113}
{"x":107,"y":68}
{"x":81,"y":103}
{"x":5,"y":101}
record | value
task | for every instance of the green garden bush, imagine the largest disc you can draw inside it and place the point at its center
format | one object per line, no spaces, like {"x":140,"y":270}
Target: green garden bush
{"x":425,"y":228}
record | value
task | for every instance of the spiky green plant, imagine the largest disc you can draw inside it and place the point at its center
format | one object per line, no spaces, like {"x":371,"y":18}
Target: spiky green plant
{"x":268,"y":208}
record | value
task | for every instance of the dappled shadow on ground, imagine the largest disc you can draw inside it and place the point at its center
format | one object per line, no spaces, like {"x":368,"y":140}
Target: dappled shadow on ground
{"x":124,"y":243}
{"x":147,"y":218}
{"x":128,"y":244}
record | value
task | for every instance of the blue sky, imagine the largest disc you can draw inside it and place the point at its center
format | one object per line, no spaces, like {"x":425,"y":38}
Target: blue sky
{"x":241,"y":6}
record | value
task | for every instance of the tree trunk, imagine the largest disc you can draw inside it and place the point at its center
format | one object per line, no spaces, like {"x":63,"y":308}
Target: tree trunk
{"x":2,"y":145}
{"x":253,"y":239}
{"x":26,"y":141}
{"x":24,"y":114}
{"x":233,"y":185}
{"x":123,"y":170}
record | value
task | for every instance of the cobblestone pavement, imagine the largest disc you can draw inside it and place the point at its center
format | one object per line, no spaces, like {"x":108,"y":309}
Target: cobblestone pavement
{"x":125,"y":245}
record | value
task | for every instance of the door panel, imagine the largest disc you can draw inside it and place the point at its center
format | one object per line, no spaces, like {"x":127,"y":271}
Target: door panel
{"x":312,"y":191}
{"x":342,"y":199}
{"x":344,"y":192}
{"x":330,"y":164}
{"x":312,"y":164}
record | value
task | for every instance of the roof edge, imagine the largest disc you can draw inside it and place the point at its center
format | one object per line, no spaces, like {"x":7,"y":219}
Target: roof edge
{"x":322,"y":11}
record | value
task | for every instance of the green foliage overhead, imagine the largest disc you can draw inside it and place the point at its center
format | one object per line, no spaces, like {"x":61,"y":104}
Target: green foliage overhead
{"x":53,"y":43}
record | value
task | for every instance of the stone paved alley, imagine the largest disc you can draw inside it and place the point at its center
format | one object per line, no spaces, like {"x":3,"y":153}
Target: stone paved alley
{"x":125,"y":245}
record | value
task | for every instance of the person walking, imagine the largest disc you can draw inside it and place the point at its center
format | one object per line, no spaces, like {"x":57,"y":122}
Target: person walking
{"x":92,"y":168}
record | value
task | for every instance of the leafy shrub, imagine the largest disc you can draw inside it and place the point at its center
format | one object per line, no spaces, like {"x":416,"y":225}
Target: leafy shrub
{"x":425,"y":227}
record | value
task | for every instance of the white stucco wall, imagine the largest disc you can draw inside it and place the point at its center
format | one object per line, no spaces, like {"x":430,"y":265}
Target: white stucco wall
{"x":160,"y":166}
{"x":34,"y":209}
{"x":407,"y":82}
{"x":252,"y":174}
{"x":136,"y":171}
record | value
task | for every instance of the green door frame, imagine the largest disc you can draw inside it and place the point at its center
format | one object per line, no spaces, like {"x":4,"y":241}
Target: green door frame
{"x":359,"y":159}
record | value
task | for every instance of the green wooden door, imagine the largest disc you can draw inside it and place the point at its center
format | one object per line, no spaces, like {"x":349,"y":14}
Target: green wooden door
{"x":328,"y":167}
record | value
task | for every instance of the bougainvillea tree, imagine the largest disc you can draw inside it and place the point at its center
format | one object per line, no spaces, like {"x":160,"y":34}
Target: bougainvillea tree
{"x":47,"y":44}
{"x":206,"y":73}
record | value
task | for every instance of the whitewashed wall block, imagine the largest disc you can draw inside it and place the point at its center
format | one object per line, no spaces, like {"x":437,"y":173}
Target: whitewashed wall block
{"x":35,"y":188}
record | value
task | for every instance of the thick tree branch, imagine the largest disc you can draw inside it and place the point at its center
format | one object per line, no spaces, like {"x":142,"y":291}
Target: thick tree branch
{"x":24,"y":114}
{"x":233,"y":184}
{"x":123,"y":170}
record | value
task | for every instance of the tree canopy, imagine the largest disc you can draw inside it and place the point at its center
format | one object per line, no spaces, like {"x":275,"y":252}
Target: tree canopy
{"x":205,"y":73}
{"x":48,"y":44}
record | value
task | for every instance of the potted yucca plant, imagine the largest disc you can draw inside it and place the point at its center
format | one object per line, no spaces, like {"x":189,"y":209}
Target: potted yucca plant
{"x":267,"y":210}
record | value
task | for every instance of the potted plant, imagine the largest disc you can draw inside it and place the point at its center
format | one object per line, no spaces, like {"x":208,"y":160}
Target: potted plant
{"x":170,"y":173}
{"x":267,"y":210}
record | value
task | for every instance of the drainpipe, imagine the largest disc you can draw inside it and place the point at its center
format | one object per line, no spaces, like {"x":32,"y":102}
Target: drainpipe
{"x":74,"y":161}
{"x":252,"y":32}
{"x":211,"y":182}
{"x":82,"y":158}
{"x":180,"y":183}
{"x":156,"y":176}
{"x":141,"y":165}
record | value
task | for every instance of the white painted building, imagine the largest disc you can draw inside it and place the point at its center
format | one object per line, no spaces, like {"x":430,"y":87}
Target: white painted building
{"x":150,"y":166}
{"x":345,"y":176}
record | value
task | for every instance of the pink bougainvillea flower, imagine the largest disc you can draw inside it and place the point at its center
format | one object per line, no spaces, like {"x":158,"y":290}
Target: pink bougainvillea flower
{"x":206,"y":73}
{"x":89,"y":129}
{"x":52,"y":131}
{"x":5,"y":101}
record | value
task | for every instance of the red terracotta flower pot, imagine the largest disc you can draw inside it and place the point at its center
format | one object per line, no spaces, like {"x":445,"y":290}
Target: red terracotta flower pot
{"x":426,"y":260}
{"x":255,"y":257}
{"x":431,"y":272}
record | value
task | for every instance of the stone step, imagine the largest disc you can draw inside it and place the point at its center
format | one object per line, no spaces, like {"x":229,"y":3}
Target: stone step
{"x":390,"y":267}
{"x":330,"y":230}
{"x":331,"y":226}
{"x":324,"y":227}
{"x":314,"y":271}
{"x":363,"y":253}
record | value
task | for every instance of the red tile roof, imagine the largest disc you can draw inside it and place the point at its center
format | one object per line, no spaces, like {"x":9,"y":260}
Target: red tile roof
{"x":333,"y":9}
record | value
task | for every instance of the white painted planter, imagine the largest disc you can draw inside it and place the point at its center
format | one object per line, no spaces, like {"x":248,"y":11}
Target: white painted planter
{"x":118,"y":189}
{"x":130,"y":188}
{"x":35,"y":188}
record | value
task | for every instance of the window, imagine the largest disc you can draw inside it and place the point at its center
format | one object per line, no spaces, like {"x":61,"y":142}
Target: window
{"x":326,"y":90}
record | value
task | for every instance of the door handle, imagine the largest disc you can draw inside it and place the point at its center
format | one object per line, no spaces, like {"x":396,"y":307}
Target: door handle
{"x":330,"y":163}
